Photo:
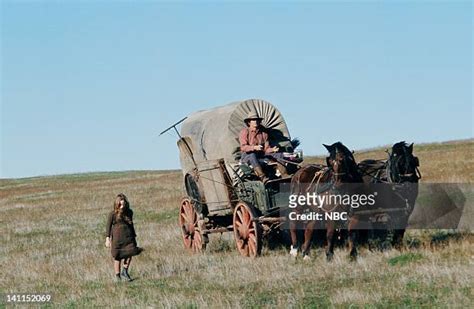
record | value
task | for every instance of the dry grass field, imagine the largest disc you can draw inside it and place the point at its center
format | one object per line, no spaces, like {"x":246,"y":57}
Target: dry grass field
{"x":52,"y":231}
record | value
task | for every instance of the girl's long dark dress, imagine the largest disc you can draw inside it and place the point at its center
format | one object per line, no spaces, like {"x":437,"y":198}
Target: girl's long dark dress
{"x":123,"y":236}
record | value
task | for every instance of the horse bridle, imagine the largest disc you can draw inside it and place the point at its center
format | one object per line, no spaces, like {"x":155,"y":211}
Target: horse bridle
{"x":341,"y":173}
{"x":390,"y":171}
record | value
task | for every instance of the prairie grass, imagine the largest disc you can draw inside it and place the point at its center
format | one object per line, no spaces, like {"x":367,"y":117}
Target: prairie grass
{"x":52,"y":235}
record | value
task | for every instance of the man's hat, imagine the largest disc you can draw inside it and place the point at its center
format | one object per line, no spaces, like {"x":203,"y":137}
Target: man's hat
{"x":251,"y":116}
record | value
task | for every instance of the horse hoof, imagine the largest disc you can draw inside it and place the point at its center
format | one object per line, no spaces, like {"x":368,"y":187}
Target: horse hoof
{"x":293,"y":252}
{"x":353,"y":256}
{"x":329,"y":256}
{"x":306,"y":258}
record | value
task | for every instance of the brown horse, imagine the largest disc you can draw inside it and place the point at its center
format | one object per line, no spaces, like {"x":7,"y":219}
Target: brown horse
{"x":341,"y":170}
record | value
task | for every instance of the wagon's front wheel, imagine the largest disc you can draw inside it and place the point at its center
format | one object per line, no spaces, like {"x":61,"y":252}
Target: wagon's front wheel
{"x":188,"y":222}
{"x":247,"y":231}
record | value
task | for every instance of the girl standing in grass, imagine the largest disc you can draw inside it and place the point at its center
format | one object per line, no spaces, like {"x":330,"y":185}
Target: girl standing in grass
{"x":121,"y":237}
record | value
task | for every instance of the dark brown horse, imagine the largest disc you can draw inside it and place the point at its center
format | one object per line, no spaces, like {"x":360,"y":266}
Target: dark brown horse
{"x":340,"y":171}
{"x":400,"y":172}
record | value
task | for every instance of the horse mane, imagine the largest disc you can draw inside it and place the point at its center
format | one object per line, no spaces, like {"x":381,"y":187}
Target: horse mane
{"x":339,"y":147}
{"x":399,"y":148}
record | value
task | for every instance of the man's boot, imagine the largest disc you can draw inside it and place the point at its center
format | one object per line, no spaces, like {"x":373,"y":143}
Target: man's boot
{"x":261,"y":174}
{"x":282,"y":169}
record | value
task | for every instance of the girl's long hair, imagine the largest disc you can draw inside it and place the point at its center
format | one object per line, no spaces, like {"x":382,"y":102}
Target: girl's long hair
{"x":122,"y":214}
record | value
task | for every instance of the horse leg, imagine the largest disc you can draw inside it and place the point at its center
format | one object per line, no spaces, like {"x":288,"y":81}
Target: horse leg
{"x":308,"y":234}
{"x":330,"y":240}
{"x":400,"y":233}
{"x":353,"y":237}
{"x":294,"y":238}
{"x":398,"y":238}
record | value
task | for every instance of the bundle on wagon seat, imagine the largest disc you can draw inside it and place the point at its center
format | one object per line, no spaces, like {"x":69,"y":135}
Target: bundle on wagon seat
{"x":225,"y":192}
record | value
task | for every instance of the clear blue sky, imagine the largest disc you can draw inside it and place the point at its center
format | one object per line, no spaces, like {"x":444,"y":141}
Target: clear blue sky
{"x":88,"y":85}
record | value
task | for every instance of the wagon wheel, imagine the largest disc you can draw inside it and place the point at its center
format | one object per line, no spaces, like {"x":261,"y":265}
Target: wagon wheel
{"x":188,"y":222}
{"x":247,"y":232}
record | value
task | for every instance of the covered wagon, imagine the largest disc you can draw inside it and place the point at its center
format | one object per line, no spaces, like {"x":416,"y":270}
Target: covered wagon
{"x":221,"y":193}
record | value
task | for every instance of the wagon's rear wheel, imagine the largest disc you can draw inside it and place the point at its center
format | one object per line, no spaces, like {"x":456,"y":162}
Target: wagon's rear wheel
{"x":188,"y":222}
{"x":247,"y":232}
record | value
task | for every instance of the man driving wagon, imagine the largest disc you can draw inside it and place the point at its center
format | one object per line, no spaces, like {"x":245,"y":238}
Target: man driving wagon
{"x":255,"y":146}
